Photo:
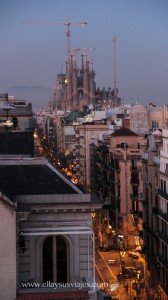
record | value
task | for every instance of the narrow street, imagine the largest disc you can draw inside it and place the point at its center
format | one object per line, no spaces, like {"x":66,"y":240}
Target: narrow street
{"x":107,"y":274}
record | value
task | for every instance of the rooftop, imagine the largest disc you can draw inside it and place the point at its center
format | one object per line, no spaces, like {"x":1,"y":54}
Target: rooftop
{"x":13,"y":142}
{"x":74,"y":115}
{"x":124,"y":132}
{"x":33,"y":179}
{"x":17,"y":111}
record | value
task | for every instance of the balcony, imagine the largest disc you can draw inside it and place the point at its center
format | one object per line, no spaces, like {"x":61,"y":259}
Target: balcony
{"x":134,"y":196}
{"x":155,"y":210}
{"x":151,"y":232}
{"x":107,"y":201}
{"x":136,"y":213}
{"x":164,"y":287}
{"x":163,"y":261}
{"x":141,"y":197}
{"x":136,"y":169}
{"x":163,"y":237}
{"x":163,"y":215}
{"x":134,"y":151}
{"x":134,"y":181}
{"x":134,"y":178}
{"x":163,"y":194}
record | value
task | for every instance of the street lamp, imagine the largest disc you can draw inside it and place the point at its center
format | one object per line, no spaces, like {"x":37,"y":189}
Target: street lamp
{"x":66,"y":83}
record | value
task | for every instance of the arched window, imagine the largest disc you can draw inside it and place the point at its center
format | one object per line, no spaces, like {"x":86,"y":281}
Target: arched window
{"x":55,"y":259}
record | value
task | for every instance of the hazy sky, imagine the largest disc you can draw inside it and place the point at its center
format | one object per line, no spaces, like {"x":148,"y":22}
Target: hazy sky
{"x":33,"y":54}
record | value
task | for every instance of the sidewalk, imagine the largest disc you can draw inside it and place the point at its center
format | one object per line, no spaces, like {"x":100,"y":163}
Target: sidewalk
{"x":122,"y":294}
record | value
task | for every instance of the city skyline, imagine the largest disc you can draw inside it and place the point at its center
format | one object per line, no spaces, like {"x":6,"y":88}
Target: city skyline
{"x":33,"y":54}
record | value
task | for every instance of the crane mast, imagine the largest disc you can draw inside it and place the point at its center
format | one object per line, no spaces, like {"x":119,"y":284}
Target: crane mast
{"x":115,"y":63}
{"x":68,"y":34}
{"x":68,"y":24}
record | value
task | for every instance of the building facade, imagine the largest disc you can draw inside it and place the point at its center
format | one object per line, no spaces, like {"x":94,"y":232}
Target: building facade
{"x":162,"y":206}
{"x":158,"y":117}
{"x":139,"y":119}
{"x":85,"y":135}
{"x":118,"y":178}
{"x":7,"y":248}
{"x":155,"y":214}
{"x":54,"y":231}
{"x":76,"y":88}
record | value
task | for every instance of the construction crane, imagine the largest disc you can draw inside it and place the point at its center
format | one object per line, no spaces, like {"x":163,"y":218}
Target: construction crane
{"x":68,"y":34}
{"x":115,"y":63}
{"x":68,"y":24}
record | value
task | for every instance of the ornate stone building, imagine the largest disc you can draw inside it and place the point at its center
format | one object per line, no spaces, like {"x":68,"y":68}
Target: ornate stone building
{"x":7,"y":248}
{"x":76,"y":88}
{"x":55,"y":241}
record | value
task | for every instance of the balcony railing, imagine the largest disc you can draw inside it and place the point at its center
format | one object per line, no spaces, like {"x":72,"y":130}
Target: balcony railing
{"x":134,"y":181}
{"x":136,"y":213}
{"x":163,"y":215}
{"x":134,"y":196}
{"x":163,"y":237}
{"x":107,"y":201}
{"x":141,"y":197}
{"x":163,"y":194}
{"x":135,"y":169}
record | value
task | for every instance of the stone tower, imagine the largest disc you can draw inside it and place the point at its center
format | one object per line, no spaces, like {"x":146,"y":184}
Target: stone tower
{"x":75,"y":89}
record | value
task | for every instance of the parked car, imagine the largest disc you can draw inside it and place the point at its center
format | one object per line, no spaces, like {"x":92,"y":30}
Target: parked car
{"x":104,"y":248}
{"x":134,"y":255}
{"x":120,"y":277}
{"x":139,"y":249}
{"x":129,"y":272}
{"x":113,"y":262}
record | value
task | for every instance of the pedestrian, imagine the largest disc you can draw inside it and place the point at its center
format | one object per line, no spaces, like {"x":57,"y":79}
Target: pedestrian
{"x":126,"y":287}
{"x":15,"y":122}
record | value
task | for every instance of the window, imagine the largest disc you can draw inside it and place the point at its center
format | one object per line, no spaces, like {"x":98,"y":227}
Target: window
{"x":133,"y":163}
{"x":161,"y":184}
{"x":164,"y":186}
{"x":155,"y":124}
{"x":55,"y":259}
{"x":166,"y":168}
{"x":135,"y":206}
{"x":135,"y":191}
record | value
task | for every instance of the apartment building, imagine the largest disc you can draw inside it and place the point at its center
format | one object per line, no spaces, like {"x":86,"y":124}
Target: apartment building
{"x":155,"y":207}
{"x":52,"y":247}
{"x":16,"y":139}
{"x":163,"y":216}
{"x":85,"y":135}
{"x":139,"y":119}
{"x":20,"y":109}
{"x":158,"y":117}
{"x":118,"y":177}
{"x":7,"y":248}
{"x":51,"y":126}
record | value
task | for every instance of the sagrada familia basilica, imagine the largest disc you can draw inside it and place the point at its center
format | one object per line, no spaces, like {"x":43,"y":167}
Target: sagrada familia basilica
{"x":76,"y":89}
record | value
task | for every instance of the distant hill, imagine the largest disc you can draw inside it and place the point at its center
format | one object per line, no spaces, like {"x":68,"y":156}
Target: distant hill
{"x":37,"y":95}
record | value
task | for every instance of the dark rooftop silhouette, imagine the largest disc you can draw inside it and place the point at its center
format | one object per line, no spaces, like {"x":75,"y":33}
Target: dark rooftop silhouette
{"x":32,"y":180}
{"x":124,"y":132}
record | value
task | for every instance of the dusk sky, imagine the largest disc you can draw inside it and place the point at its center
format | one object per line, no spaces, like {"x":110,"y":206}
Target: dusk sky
{"x":33,"y":54}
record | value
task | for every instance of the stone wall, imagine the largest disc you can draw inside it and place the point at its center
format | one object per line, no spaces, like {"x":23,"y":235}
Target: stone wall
{"x":7,"y":252}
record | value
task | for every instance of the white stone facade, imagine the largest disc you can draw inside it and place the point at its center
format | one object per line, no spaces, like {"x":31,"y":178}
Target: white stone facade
{"x":139,"y":119}
{"x":7,"y":250}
